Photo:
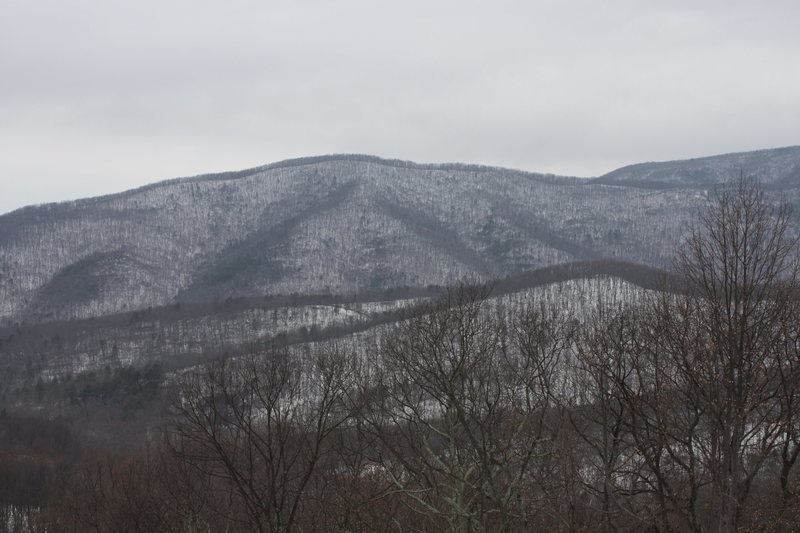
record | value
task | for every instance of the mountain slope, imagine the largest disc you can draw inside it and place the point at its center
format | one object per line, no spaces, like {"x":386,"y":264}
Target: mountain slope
{"x":777,"y":168}
{"x":182,"y":335}
{"x":337,"y":224}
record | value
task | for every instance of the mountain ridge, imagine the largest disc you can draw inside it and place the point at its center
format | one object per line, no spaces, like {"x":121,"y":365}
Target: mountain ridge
{"x":707,"y":170}
{"x":606,"y":178}
{"x":298,"y":162}
{"x":342,"y":223}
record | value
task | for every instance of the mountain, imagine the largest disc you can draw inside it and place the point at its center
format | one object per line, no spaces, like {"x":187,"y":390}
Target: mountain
{"x":110,"y":377}
{"x":185,"y":334}
{"x":106,"y":302}
{"x":346,"y":223}
{"x":778,"y":168}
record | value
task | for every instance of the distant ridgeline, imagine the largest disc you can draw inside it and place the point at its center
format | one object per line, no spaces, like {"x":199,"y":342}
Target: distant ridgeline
{"x":345,"y":224}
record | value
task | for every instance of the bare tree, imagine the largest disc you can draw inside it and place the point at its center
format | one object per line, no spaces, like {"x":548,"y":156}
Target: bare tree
{"x":740,"y":265}
{"x":460,"y":400}
{"x":119,"y":493}
{"x":687,"y":398}
{"x":605,"y":366}
{"x":647,"y":426}
{"x":788,"y":421}
{"x":262,"y":427}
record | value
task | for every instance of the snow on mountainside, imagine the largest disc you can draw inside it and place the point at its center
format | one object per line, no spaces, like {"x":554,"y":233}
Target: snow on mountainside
{"x":209,"y":336}
{"x":81,"y":347}
{"x":180,"y":336}
{"x":577,"y":298}
{"x":776,"y":168}
{"x":333,"y":224}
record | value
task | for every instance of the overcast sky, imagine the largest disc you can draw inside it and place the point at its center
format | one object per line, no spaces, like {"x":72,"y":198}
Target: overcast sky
{"x":102,"y":96}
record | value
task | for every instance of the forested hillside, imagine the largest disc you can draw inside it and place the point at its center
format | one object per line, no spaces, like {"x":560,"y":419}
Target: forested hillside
{"x":341,"y":224}
{"x":346,"y":343}
{"x":587,"y":405}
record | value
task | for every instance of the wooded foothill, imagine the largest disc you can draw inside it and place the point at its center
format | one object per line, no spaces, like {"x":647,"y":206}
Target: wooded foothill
{"x":680,"y":412}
